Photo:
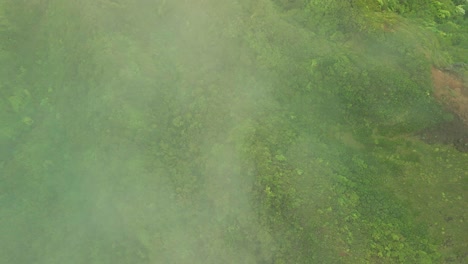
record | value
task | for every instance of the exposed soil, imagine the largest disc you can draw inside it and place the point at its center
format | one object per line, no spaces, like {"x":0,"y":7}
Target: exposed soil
{"x":454,"y":132}
{"x":452,"y":92}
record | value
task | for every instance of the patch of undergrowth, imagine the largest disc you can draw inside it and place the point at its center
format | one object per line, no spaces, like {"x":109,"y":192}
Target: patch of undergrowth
{"x":433,"y":176}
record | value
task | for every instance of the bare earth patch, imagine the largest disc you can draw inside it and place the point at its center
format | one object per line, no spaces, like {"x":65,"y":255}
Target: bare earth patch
{"x":452,"y":92}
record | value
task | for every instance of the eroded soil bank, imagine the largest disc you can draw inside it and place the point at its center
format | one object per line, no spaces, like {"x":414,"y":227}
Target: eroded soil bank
{"x":451,"y":91}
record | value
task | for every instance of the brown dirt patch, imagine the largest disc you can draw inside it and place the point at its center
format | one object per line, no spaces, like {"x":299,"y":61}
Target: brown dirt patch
{"x":452,"y":92}
{"x":450,"y":133}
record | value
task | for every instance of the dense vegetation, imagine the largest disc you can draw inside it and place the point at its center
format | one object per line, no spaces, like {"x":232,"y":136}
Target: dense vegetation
{"x":267,"y":131}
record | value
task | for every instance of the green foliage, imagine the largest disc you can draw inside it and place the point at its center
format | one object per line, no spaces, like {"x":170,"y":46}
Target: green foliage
{"x":247,"y":132}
